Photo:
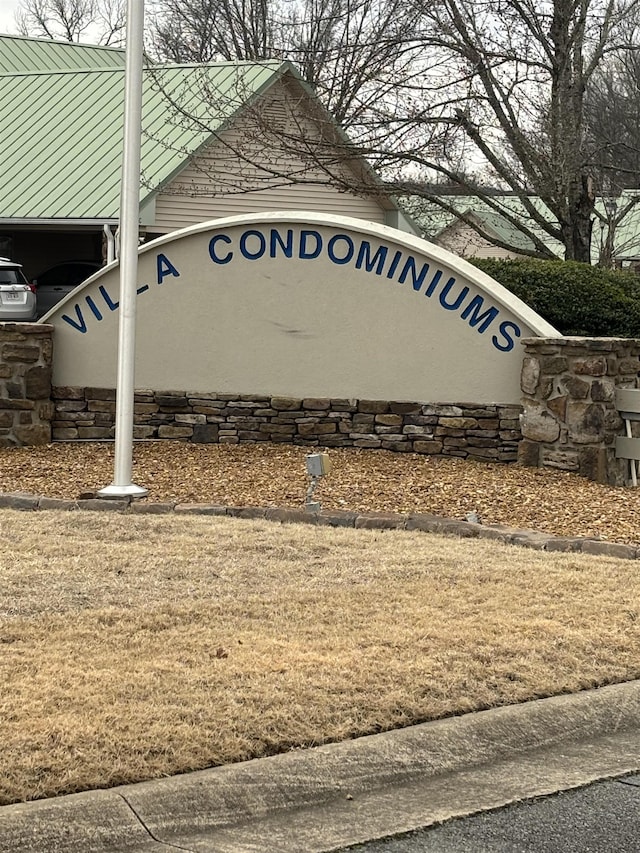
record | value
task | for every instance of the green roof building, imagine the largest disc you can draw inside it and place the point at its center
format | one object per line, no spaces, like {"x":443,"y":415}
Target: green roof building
{"x":217,"y":140}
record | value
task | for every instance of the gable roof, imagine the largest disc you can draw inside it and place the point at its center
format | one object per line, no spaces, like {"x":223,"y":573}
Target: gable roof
{"x":20,"y":54}
{"x":436,"y":220}
{"x":496,"y":226}
{"x":72,"y":120}
{"x":626,"y":242}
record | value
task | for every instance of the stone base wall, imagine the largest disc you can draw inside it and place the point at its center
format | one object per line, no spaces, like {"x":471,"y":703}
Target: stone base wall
{"x":26,"y":351}
{"x":466,"y":430}
{"x":570,"y":421}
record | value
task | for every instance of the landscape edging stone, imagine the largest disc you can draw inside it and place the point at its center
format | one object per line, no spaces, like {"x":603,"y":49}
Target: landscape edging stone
{"x":338,"y":518}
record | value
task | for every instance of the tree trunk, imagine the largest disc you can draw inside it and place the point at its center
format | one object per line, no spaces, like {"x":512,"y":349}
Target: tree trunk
{"x":579,"y":223}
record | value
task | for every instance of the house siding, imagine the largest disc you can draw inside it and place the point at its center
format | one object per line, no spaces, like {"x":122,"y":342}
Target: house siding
{"x":462,"y":240}
{"x":178,"y":211}
{"x":227,"y":179}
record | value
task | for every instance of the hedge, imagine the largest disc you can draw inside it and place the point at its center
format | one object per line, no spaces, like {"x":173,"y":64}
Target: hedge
{"x":576,"y":298}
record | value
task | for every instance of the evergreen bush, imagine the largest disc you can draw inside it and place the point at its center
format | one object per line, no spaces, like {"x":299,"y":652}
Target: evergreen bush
{"x":576,"y":298}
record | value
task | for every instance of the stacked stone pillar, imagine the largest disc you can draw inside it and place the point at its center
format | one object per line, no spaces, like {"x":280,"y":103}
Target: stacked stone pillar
{"x":26,"y":353}
{"x":569,"y":419}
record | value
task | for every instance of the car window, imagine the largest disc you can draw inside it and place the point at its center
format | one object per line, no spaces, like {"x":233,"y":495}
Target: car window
{"x":65,"y":275}
{"x":48,"y":278}
{"x":12,"y":277}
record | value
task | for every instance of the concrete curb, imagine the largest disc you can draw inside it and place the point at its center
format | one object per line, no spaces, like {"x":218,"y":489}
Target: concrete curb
{"x":325,"y":798}
{"x":337,"y":518}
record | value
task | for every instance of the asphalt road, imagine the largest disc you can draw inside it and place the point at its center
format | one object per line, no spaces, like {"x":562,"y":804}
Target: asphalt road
{"x":602,"y":818}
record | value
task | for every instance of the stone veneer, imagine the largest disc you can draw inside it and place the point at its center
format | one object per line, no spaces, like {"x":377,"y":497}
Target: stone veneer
{"x":570,"y":421}
{"x":467,"y":430}
{"x":26,"y":351}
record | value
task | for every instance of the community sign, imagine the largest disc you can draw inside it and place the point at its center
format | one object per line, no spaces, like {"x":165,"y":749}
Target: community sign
{"x":302,"y":305}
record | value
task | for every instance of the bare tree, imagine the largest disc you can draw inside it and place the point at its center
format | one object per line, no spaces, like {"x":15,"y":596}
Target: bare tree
{"x":612,"y":117}
{"x":478,"y":95}
{"x":474,"y":95}
{"x":613,"y":121}
{"x":98,"y":21}
{"x":525,"y":66}
{"x":209,"y":30}
{"x":353,"y":52}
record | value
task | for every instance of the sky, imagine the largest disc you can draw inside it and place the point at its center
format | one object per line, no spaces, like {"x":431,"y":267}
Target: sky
{"x":7,"y":15}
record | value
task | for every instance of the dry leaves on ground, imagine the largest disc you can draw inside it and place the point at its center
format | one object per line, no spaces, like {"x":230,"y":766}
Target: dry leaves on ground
{"x":274,"y":475}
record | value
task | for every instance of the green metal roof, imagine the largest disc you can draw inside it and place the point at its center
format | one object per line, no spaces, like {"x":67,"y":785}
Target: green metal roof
{"x":435,"y":220}
{"x":506,"y":231}
{"x":62,"y":131}
{"x":18,"y":54}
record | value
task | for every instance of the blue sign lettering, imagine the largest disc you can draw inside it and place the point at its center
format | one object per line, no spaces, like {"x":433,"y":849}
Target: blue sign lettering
{"x":305,"y":254}
{"x":80,"y":325}
{"x":276,"y":240}
{"x":331,"y":249}
{"x":473,"y":311}
{"x":111,"y":305}
{"x":434,"y":283}
{"x":262,"y":245}
{"x":459,"y":298}
{"x":508,"y":345}
{"x":212,"y":249}
{"x":165,"y":268}
{"x":377,"y":261}
{"x":96,"y":311}
{"x":394,"y":264}
{"x":342,"y":249}
{"x":416,"y":280}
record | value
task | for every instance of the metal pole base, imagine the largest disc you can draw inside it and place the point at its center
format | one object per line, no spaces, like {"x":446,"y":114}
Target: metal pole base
{"x":131,"y":491}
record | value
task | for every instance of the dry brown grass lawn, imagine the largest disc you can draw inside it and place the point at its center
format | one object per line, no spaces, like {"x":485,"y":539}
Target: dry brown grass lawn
{"x":133,"y":647}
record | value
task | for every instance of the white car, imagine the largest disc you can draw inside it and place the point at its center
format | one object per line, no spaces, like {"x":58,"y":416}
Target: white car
{"x":17,"y":296}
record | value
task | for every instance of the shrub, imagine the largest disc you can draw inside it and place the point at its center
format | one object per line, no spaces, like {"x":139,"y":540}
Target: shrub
{"x":577,"y":299}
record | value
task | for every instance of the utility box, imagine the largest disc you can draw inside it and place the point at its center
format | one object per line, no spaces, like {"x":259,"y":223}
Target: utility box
{"x":318,"y":464}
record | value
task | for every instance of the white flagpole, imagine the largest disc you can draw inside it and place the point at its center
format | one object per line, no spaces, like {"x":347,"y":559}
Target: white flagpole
{"x":129,"y":231}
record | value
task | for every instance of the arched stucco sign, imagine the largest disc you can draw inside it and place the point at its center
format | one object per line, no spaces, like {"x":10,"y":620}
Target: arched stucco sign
{"x":301,"y":305}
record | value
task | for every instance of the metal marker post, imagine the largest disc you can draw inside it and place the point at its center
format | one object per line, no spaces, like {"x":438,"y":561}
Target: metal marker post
{"x":129,"y":230}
